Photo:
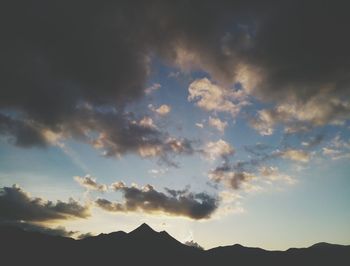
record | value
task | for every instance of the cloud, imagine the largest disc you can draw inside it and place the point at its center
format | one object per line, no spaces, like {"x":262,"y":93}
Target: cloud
{"x":330,"y":152}
{"x":99,"y":57}
{"x":260,"y":153}
{"x":319,"y":110}
{"x":18,"y":205}
{"x":200,"y":125}
{"x":214,"y":98}
{"x":218,"y":124}
{"x":219,"y":149}
{"x":78,"y":85}
{"x":158,"y":172}
{"x":146,"y":122}
{"x":264,"y":122}
{"x":118,"y":185}
{"x":313,"y":141}
{"x":171,"y":146}
{"x":153,"y":88}
{"x":337,"y":149}
{"x":335,"y":154}
{"x":253,"y":181}
{"x":194,"y":244}
{"x":21,"y":132}
{"x":57,"y":58}
{"x":90,"y":183}
{"x":129,"y":136}
{"x":250,"y":175}
{"x":173,"y":202}
{"x":273,"y":174}
{"x":133,"y":136}
{"x":57,"y":231}
{"x":162,"y":110}
{"x":294,"y":155}
{"x":308,"y":74}
{"x":231,"y":178}
{"x":113,"y":132}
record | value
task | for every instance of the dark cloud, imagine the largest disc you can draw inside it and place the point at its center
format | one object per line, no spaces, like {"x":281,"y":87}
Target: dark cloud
{"x":174,"y":202}
{"x":58,"y":56}
{"x":124,"y":133}
{"x":302,"y":47}
{"x":21,"y":133}
{"x":301,"y":53}
{"x":17,"y":205}
{"x":58,"y":231}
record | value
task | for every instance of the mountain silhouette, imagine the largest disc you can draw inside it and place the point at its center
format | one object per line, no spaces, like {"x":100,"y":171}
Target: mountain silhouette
{"x":144,"y":246}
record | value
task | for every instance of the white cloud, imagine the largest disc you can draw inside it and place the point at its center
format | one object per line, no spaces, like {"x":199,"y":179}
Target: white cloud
{"x":214,"y":98}
{"x":147,"y":122}
{"x":163,"y":109}
{"x":158,"y":172}
{"x":150,"y":150}
{"x":320,"y":110}
{"x":218,"y":149}
{"x":218,"y":124}
{"x":264,"y":122}
{"x":118,"y":185}
{"x":200,"y":125}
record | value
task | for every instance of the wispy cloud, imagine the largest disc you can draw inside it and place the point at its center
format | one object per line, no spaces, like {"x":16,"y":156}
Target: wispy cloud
{"x":90,"y":183}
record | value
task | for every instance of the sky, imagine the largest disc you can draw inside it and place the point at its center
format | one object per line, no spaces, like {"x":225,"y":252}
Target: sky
{"x":218,"y":122}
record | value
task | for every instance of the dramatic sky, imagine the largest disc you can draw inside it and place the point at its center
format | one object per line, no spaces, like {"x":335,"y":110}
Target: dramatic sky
{"x":220,"y":122}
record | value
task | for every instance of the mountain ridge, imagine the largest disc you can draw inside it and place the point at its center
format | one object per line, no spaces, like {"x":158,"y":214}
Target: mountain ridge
{"x":145,"y":245}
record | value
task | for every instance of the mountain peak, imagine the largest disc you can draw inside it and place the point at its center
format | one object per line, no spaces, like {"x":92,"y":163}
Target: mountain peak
{"x":143,"y":228}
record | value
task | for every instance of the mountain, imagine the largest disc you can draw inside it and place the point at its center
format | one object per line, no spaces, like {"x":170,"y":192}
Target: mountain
{"x":144,"y":246}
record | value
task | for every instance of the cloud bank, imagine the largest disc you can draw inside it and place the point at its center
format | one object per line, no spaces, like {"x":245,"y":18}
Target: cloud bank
{"x":17,"y":205}
{"x":174,"y":202}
